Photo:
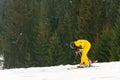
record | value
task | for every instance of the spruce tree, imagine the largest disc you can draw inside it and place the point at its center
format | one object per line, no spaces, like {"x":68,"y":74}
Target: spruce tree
{"x":55,"y":50}
{"x":40,"y":53}
{"x":66,"y":31}
{"x":20,"y":21}
{"x":102,"y":47}
{"x":108,"y":18}
{"x":115,"y":47}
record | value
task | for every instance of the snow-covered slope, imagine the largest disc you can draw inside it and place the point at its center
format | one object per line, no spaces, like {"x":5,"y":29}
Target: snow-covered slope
{"x":102,"y":71}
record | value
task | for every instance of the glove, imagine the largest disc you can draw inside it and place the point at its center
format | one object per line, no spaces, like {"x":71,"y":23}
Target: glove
{"x":78,"y":53}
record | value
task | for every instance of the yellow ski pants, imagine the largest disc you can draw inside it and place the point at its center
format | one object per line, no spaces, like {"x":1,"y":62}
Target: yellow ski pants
{"x":84,"y":58}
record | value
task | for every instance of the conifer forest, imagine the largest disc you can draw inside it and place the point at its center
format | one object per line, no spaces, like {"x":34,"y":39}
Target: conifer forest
{"x":36,"y":33}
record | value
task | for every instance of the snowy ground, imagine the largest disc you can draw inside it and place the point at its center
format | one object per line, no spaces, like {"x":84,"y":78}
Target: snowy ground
{"x":102,"y":71}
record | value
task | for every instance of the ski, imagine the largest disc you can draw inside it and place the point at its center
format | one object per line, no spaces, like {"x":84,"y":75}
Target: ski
{"x":80,"y":66}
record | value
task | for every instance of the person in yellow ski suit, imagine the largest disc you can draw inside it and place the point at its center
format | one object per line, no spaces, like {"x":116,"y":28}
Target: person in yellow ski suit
{"x":82,"y":46}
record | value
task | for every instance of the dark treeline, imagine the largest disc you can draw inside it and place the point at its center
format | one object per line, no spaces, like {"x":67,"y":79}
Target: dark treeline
{"x":38,"y":32}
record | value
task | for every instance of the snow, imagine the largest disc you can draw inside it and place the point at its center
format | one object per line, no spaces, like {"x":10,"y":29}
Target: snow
{"x":101,"y":71}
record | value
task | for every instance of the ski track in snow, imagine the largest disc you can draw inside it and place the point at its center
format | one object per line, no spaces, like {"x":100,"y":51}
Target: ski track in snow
{"x":101,"y":71}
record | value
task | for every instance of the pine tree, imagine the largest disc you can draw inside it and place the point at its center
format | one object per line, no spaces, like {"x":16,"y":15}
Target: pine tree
{"x":55,"y":51}
{"x":3,"y":5}
{"x":40,"y":55}
{"x":107,"y":20}
{"x":110,"y":11}
{"x":21,"y":19}
{"x":102,"y":47}
{"x":115,"y":47}
{"x":66,"y":31}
